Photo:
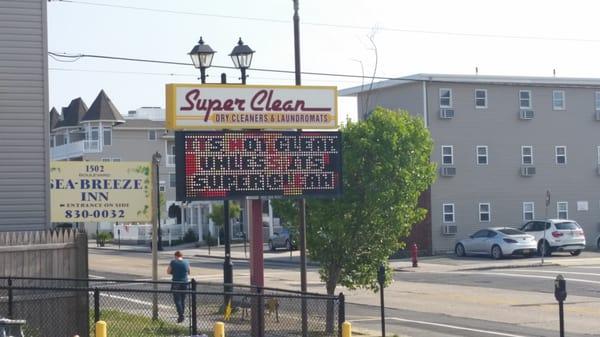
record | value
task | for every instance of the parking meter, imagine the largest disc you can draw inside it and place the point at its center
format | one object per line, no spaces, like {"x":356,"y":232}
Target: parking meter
{"x":560,"y":288}
{"x":381,"y":275}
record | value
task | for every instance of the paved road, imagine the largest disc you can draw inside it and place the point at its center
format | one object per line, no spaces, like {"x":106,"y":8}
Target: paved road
{"x":363,"y":310}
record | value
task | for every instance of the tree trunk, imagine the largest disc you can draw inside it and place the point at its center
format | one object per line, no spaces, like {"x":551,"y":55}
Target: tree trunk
{"x":330,"y":320}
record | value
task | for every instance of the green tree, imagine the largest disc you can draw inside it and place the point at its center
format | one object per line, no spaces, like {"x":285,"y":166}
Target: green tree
{"x":386,"y":166}
{"x":218,"y":215}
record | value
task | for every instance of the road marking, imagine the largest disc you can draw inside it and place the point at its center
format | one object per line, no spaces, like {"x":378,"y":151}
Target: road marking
{"x":455,"y":327}
{"x":132,"y":300}
{"x":537,"y":276}
{"x":558,"y":272}
{"x":96,"y":277}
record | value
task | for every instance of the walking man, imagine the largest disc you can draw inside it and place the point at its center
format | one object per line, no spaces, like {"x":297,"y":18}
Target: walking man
{"x":179,"y":269}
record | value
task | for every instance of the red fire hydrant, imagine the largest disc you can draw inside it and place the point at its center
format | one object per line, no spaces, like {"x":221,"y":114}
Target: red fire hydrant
{"x":413,"y":253}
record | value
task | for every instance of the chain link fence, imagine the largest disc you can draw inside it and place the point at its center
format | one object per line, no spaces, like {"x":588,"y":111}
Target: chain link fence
{"x":68,"y":307}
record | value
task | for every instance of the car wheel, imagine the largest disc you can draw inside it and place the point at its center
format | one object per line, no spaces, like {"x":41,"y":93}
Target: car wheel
{"x":288,"y":245}
{"x":575,"y":252}
{"x":496,"y":252}
{"x":459,"y":250}
{"x":271,"y":246}
{"x":528,"y":255}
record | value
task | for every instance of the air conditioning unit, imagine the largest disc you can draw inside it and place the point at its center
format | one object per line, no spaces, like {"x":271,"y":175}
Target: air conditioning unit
{"x":526,"y":114}
{"x":448,"y":171}
{"x":527,"y":171}
{"x":449,"y":229}
{"x":598,"y":115}
{"x":446,"y":113}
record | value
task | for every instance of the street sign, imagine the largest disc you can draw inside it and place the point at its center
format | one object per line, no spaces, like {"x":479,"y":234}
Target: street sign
{"x":218,"y":106}
{"x":220,"y":165}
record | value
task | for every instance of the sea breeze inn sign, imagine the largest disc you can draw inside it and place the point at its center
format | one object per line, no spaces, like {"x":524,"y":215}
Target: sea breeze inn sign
{"x":100,"y":191}
{"x":215,"y":107}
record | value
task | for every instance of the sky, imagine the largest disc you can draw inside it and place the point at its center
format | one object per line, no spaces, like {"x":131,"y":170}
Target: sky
{"x":388,"y":38}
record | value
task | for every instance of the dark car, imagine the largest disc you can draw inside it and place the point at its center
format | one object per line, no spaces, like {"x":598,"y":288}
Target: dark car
{"x":282,"y":239}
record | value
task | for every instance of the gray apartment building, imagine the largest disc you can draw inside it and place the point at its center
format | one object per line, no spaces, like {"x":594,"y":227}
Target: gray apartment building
{"x":24,"y":126}
{"x":500,"y":144}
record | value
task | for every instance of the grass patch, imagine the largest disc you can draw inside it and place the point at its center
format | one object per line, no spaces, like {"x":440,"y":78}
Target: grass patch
{"x":122,"y":324}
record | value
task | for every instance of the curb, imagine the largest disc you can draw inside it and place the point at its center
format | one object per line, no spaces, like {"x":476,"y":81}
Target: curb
{"x":312,"y":264}
{"x":513,"y":266}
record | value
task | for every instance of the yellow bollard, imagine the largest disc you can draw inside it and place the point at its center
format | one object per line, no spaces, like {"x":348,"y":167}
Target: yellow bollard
{"x":101,"y":329}
{"x":346,"y":329}
{"x":219,"y":329}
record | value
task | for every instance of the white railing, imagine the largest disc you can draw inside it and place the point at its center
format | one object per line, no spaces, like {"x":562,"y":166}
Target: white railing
{"x":75,"y":149}
{"x":170,"y":160}
{"x":66,"y":151}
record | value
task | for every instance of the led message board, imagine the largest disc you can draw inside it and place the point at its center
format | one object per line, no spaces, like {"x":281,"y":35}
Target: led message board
{"x":218,"y":165}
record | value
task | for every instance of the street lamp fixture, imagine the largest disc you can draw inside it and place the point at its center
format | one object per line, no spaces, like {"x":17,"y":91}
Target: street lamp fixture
{"x":241,"y":55}
{"x":156,"y":157}
{"x":202,"y":55}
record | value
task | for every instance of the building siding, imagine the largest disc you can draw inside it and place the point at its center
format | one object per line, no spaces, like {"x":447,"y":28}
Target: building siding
{"x":24,"y":125}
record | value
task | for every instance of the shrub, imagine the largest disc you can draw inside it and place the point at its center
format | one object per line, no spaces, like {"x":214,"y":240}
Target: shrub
{"x":190,"y":236}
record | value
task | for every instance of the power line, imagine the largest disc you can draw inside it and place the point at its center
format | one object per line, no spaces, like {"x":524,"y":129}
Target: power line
{"x":333,"y":25}
{"x":130,"y":59}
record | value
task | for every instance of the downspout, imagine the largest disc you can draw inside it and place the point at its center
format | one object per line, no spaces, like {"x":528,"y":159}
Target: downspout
{"x":425,"y":114}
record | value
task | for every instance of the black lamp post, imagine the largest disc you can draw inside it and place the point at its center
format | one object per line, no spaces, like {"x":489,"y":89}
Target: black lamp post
{"x":156,"y":157}
{"x":202,"y":55}
{"x":242,"y":58}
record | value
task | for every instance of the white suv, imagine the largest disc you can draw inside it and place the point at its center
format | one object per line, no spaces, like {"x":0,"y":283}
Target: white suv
{"x":561,"y":235}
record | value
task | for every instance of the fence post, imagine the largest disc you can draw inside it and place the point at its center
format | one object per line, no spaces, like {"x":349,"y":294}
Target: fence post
{"x":341,"y":312}
{"x":261,"y":312}
{"x":96,"y":305}
{"x":10,"y":298}
{"x":194,"y":305}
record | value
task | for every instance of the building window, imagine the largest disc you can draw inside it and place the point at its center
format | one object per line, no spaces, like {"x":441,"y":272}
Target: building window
{"x":597,"y":100}
{"x":598,"y":150}
{"x":527,"y":155}
{"x":445,"y":98}
{"x":528,"y":211}
{"x":52,"y":141}
{"x":172,"y":180}
{"x":525,"y":99}
{"x":482,"y":155}
{"x":107,"y":133}
{"x":105,"y":160}
{"x":561,"y":154}
{"x":447,"y":155}
{"x":484,"y":212}
{"x":448,"y":213}
{"x":116,"y":160}
{"x":480,"y":98}
{"x":562,"y":210}
{"x":558,"y":100}
{"x":151,"y":134}
{"x":161,"y":186}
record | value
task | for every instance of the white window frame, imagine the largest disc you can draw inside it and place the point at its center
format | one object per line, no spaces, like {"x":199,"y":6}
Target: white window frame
{"x":523,"y":155}
{"x":449,"y":98}
{"x":485,"y":99}
{"x":477,"y":154}
{"x":488,"y":212}
{"x":556,"y":155}
{"x":529,"y":100}
{"x":556,"y":100}
{"x":598,"y":152}
{"x":106,"y":130}
{"x":161,"y":186}
{"x":152,"y":132}
{"x":451,"y":147}
{"x":560,"y":209}
{"x":597,"y":100}
{"x":525,"y":211}
{"x":452,"y":213}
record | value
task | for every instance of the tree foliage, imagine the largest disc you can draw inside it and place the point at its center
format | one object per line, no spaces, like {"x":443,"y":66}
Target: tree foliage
{"x":217,"y":215}
{"x":386,"y":166}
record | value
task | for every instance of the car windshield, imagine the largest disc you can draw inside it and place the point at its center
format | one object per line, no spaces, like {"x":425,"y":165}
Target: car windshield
{"x":566,"y":225}
{"x":510,"y":231}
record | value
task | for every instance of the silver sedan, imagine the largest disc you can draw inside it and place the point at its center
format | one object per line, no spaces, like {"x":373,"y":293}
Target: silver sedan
{"x":497,"y":242}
